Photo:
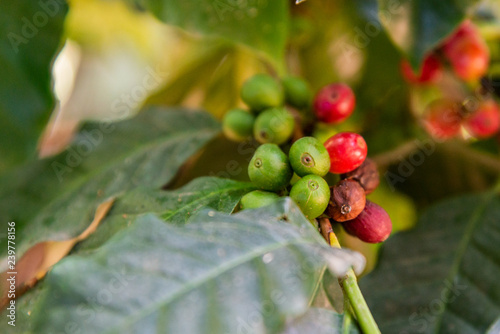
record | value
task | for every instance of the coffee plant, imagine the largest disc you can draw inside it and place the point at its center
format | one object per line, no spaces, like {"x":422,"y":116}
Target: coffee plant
{"x":250,"y":166}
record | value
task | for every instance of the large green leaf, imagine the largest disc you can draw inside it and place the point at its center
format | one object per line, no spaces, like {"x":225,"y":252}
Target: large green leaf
{"x":418,"y":26}
{"x":441,"y":277}
{"x":30,"y":34}
{"x":218,"y":274}
{"x":56,"y":198}
{"x":205,"y":192}
{"x":260,"y":24}
{"x":175,"y":206}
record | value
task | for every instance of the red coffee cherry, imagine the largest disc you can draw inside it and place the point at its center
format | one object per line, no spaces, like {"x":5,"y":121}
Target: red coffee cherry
{"x":430,"y":72}
{"x":442,"y":119}
{"x":465,"y":30}
{"x":347,"y":152}
{"x":334,"y":103}
{"x":467,"y":52}
{"x":485,"y":122}
{"x":372,"y":225}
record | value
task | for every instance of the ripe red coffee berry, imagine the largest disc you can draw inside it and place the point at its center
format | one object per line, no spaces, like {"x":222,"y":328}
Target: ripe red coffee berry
{"x":485,"y":122}
{"x":430,"y":72}
{"x":347,"y":152}
{"x":334,"y":103}
{"x":347,"y":200}
{"x":442,"y":119}
{"x":466,"y":28}
{"x":467,"y":52}
{"x":372,"y":225}
{"x":367,"y":175}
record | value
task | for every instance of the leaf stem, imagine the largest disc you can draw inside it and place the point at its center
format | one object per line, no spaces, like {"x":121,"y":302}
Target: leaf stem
{"x":349,"y":284}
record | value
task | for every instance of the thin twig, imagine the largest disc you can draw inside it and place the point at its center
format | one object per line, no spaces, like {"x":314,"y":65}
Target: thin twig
{"x":385,"y":159}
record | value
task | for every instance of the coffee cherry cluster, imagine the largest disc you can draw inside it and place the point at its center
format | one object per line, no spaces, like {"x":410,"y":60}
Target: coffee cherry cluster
{"x":348,"y":204}
{"x":268,"y":120}
{"x":271,"y":170}
{"x":444,"y":119}
{"x":300,"y":172}
{"x":464,"y":51}
{"x":275,"y":107}
{"x":467,"y":54}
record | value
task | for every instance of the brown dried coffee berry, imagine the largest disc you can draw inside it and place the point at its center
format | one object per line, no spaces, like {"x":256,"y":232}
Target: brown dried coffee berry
{"x":346,"y":201}
{"x":367,"y":175}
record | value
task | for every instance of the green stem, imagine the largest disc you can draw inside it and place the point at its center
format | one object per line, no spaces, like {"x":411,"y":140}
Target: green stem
{"x":365,"y":319}
{"x":347,"y":323}
{"x":349,"y":284}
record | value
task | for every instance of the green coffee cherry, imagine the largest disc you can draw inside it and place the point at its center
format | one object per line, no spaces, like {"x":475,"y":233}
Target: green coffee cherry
{"x":261,"y":91}
{"x":311,"y":193}
{"x":297,"y":92}
{"x":269,"y":168}
{"x":238,"y":124}
{"x":257,"y":199}
{"x":308,"y":156}
{"x":273,"y":126}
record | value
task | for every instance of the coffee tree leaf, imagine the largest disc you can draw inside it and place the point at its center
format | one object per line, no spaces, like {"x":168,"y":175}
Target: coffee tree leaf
{"x":30,"y":33}
{"x":217,"y":274}
{"x":442,"y":276}
{"x":55,"y":198}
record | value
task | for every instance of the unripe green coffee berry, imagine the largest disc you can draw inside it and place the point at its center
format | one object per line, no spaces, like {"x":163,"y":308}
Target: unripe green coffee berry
{"x":273,"y":126}
{"x":269,"y":168}
{"x":238,"y":124}
{"x":308,"y":156}
{"x":262,"y":91}
{"x":297,"y":92}
{"x":257,"y":199}
{"x":312,"y":194}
